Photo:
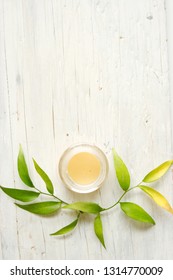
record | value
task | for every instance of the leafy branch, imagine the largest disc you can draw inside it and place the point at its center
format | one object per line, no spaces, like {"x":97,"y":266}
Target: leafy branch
{"x":132,"y":210}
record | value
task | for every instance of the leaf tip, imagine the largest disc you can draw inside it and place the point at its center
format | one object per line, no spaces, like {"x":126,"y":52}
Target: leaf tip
{"x":35,"y":163}
{"x":20,"y":148}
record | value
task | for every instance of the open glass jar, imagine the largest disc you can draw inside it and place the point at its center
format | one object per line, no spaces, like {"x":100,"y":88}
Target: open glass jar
{"x":83,"y":168}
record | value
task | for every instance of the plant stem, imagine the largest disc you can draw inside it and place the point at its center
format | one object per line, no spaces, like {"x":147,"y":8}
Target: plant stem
{"x":118,"y":201}
{"x":52,"y":195}
{"x":105,"y":209}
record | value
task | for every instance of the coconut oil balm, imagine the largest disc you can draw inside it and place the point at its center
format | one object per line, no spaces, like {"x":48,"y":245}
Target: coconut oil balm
{"x":83,"y":168}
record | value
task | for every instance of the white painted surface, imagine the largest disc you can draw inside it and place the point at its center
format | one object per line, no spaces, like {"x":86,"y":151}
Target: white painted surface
{"x":93,"y":71}
{"x":169,"y":19}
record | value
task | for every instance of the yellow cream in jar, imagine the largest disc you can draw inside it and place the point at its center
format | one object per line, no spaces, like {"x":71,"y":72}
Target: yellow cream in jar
{"x":84,"y":168}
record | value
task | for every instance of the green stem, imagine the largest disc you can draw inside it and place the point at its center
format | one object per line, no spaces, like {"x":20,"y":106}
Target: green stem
{"x":118,"y":201}
{"x":52,"y":195}
{"x":105,"y":209}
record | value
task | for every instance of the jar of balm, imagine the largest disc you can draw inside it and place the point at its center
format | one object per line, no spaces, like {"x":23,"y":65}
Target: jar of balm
{"x":83,"y":168}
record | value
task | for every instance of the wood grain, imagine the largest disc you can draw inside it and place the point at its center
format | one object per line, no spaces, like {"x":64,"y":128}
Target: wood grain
{"x":93,"y":71}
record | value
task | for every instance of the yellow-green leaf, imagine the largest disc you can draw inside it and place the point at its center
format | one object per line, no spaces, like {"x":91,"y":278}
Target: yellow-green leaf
{"x":23,"y":169}
{"x":67,"y":228}
{"x":157,"y":197}
{"x":122,"y":172}
{"x":98,"y":228}
{"x":158,"y":172}
{"x":21,"y":195}
{"x":41,"y":208}
{"x":44,"y":176}
{"x":136,"y":212}
{"x":87,"y":207}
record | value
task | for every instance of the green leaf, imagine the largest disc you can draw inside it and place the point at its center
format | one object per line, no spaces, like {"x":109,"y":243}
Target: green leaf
{"x":41,"y":208}
{"x":158,"y":172}
{"x":87,"y":207}
{"x":122,"y":172}
{"x":98,"y":228}
{"x":136,"y":212}
{"x":23,"y":169}
{"x":158,"y":198}
{"x":21,"y":195}
{"x":66,"y":229}
{"x":45,"y":177}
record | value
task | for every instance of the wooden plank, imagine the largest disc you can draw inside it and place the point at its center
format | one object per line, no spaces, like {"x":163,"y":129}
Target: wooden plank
{"x":169,"y":21}
{"x":93,"y":71}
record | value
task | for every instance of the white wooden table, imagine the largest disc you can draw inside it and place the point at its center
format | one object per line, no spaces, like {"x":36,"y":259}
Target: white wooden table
{"x":93,"y":71}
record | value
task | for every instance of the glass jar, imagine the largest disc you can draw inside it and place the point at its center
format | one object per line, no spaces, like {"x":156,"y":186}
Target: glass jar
{"x":83,"y":160}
